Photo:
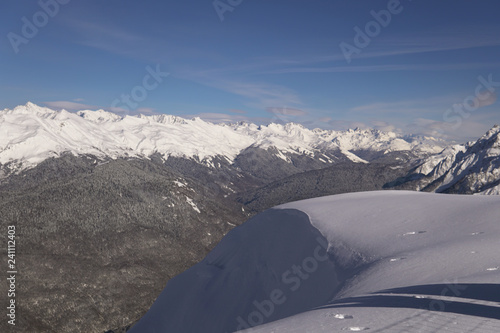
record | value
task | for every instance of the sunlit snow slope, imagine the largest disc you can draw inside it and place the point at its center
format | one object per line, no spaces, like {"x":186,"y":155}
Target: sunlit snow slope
{"x":397,"y":262}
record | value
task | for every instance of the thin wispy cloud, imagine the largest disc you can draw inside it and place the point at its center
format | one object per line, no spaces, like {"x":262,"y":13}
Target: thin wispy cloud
{"x":440,"y":129}
{"x":386,"y":68}
{"x":416,"y":106}
{"x":257,"y":94}
{"x":217,"y":118}
{"x":145,"y":111}
{"x":237,"y":111}
{"x":69,"y":105}
{"x":488,"y":98}
{"x":74,"y":106}
{"x":458,"y":38}
{"x":104,"y":31}
{"x":285,"y":111}
{"x":105,"y":37}
{"x":388,"y":47}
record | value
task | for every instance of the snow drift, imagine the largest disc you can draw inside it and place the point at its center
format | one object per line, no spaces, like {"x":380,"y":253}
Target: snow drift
{"x":392,"y":256}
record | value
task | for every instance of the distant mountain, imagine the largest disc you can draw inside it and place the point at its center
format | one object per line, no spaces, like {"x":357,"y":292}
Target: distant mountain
{"x":30,"y":134}
{"x":465,"y":169}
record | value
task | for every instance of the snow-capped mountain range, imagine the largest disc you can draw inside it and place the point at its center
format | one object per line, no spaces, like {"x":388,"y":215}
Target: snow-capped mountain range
{"x":30,"y":134}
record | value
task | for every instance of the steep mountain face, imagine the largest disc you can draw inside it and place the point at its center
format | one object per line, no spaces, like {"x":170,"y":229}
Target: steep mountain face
{"x":474,"y":171}
{"x":465,"y":169}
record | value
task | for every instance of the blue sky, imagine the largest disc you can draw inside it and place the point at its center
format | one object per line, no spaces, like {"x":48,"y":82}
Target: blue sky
{"x":424,"y":67}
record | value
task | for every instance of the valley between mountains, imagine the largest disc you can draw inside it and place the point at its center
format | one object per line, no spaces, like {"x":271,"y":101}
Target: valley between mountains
{"x":108,"y":209}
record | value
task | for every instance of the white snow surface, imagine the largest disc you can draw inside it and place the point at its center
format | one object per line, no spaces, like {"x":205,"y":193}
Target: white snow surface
{"x":398,"y":261}
{"x":30,"y":134}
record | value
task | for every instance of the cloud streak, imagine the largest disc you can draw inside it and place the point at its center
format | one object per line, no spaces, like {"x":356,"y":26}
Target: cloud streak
{"x":69,"y":106}
{"x":285,"y":111}
{"x":386,"y":68}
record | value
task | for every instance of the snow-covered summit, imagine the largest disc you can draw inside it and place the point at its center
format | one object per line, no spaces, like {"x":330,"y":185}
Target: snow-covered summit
{"x":29,"y":134}
{"x":98,"y":116}
{"x":489,"y":142}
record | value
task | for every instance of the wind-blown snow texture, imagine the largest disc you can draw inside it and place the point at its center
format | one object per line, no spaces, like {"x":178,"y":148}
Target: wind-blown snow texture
{"x":392,"y":258}
{"x":29,"y":134}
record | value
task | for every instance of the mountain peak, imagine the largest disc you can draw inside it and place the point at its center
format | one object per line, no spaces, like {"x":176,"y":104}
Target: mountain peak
{"x":98,"y":115}
{"x":489,"y":140}
{"x":495,"y":130}
{"x":32,"y":108}
{"x":33,"y":133}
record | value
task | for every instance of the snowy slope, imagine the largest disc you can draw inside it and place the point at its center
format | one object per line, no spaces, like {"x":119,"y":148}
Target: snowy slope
{"x":437,"y":165}
{"x":478,"y":167}
{"x":393,"y":256}
{"x":470,"y":168}
{"x":495,"y":190}
{"x":29,"y":134}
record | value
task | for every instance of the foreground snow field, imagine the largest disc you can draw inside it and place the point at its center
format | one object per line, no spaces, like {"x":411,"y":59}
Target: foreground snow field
{"x":397,"y":262}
